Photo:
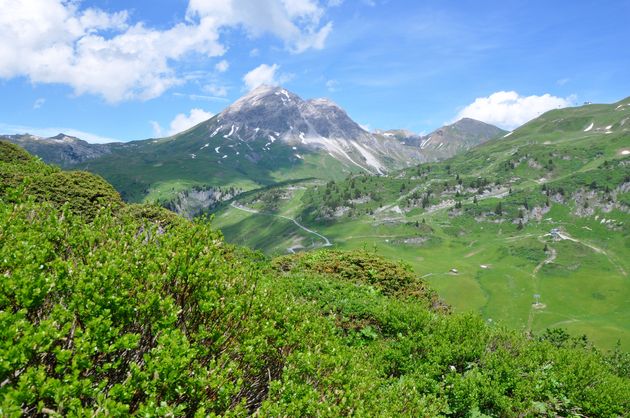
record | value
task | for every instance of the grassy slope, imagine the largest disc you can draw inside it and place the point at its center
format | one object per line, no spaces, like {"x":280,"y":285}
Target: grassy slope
{"x":585,"y":290}
{"x":157,"y":169}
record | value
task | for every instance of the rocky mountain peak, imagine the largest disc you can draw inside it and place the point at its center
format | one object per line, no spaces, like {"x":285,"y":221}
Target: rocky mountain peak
{"x":276,"y":112}
{"x":323,"y":102}
{"x":270,"y":117}
{"x":61,"y":137}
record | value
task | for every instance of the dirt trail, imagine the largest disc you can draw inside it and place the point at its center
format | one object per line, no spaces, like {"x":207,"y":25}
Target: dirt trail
{"x":598,"y":250}
{"x":552,"y":254}
{"x":551,"y":257}
{"x":327,"y":242}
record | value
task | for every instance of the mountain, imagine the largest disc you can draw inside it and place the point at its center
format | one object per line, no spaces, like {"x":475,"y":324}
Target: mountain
{"x":448,"y":140}
{"x":267,"y":136}
{"x":307,"y":126}
{"x":61,"y":150}
{"x":543,"y":210}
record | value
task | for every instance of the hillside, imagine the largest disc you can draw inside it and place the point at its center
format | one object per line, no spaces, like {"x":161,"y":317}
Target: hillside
{"x":110,"y":310}
{"x":543,"y":211}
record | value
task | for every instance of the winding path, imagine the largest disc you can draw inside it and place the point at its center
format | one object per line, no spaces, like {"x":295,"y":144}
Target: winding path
{"x":598,"y":250}
{"x":551,"y":257}
{"x":327,"y":242}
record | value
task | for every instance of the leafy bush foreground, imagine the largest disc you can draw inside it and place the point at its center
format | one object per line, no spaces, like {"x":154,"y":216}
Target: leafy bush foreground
{"x":127,"y":311}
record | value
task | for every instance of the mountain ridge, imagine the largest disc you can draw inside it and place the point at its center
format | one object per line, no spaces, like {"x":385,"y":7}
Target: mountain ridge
{"x":61,"y":149}
{"x":267,"y":136}
{"x":448,"y":140}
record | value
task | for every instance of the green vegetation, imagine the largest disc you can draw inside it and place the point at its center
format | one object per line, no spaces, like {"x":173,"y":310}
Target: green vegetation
{"x":82,"y":192}
{"x":157,"y":170}
{"x":116,"y":310}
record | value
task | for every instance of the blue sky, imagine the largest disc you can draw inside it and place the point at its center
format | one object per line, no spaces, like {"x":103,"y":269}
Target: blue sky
{"x":134,"y":69}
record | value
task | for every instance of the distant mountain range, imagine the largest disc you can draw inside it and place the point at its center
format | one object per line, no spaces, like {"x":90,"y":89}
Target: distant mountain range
{"x":266,"y":136}
{"x":448,"y":140}
{"x":61,"y":150}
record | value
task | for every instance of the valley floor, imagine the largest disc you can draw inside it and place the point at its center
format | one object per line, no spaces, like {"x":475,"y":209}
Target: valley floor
{"x":581,"y":280}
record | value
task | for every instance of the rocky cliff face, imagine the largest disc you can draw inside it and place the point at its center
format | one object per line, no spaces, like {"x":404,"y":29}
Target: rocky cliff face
{"x":196,"y":201}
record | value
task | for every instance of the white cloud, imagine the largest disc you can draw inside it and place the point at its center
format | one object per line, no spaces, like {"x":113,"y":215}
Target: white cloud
{"x":181,"y":122}
{"x":263,"y":74}
{"x":39,"y":103}
{"x":105,"y":54}
{"x":508,"y":109}
{"x":48,"y":132}
{"x":222,"y":66}
{"x":254,"y":52}
{"x":296,"y":22}
{"x":54,"y":41}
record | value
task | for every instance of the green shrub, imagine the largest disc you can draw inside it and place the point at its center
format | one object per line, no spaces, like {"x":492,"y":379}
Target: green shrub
{"x":83,"y":193}
{"x":13,"y":154}
{"x":365,"y":268}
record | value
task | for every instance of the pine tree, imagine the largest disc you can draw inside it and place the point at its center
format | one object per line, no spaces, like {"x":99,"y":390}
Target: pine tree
{"x":499,"y":209}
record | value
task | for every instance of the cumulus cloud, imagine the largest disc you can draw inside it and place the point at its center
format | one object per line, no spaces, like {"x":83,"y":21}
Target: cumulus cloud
{"x":181,"y":122}
{"x":296,"y":22}
{"x":157,"y":129}
{"x":103,"y":53}
{"x":508,"y":109}
{"x":264,"y":74}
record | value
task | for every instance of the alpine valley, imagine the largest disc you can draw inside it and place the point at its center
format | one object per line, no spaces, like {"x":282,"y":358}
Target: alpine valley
{"x":473,"y":272}
{"x":529,"y":227}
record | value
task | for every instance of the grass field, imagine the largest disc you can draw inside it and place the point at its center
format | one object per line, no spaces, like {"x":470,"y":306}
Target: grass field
{"x":499,"y":269}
